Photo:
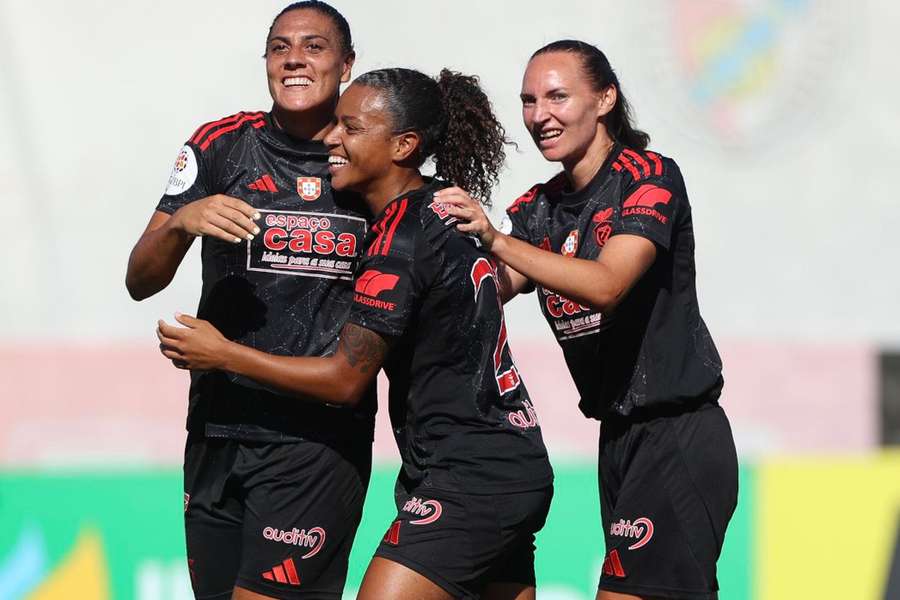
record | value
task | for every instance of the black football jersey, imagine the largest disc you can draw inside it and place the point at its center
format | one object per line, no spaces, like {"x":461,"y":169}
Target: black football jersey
{"x":653,"y":349}
{"x":286,"y":292}
{"x":461,"y":416}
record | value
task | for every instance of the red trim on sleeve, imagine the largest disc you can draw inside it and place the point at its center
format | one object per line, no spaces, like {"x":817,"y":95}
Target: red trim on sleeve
{"x":523,"y":199}
{"x":379,"y":229}
{"x":640,"y":160}
{"x":223,"y":130}
{"x":204,"y":129}
{"x":390,"y":234}
{"x":657,"y":163}
{"x":625,"y":162}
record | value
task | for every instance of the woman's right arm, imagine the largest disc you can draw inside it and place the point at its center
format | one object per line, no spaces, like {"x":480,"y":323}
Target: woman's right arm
{"x":600,"y":283}
{"x":512,"y":283}
{"x":161,"y":248}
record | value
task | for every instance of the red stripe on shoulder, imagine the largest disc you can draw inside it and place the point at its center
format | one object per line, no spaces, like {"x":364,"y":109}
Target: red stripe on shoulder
{"x":207,"y":127}
{"x":553,"y":186}
{"x":624,"y":162}
{"x":657,"y":163}
{"x":401,"y":210}
{"x":639,"y":160}
{"x":205,"y":135}
{"x":523,"y":199}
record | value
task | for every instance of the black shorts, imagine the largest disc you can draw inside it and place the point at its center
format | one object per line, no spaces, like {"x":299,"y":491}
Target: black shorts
{"x":463,"y":542}
{"x":668,"y":487}
{"x":277,"y":519}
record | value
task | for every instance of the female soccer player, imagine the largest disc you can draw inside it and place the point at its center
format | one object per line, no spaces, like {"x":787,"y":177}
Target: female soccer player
{"x":609,"y":244}
{"x":273,"y":489}
{"x":475,"y":484}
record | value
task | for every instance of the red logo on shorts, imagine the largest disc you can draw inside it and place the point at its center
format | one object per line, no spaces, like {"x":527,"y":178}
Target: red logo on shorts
{"x":429,"y":510}
{"x":612,"y":565}
{"x":392,"y":535}
{"x":286,"y":572}
{"x":641,"y":529}
{"x":313,"y":539}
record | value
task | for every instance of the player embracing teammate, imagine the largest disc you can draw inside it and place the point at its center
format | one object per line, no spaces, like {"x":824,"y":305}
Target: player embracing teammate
{"x":280,"y":420}
{"x":274,"y":488}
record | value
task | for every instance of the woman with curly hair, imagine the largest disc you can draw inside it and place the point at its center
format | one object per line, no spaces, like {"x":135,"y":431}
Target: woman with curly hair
{"x":475,"y":484}
{"x":609,"y":245}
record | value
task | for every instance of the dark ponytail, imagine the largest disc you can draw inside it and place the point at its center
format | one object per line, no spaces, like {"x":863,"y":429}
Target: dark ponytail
{"x":455,"y":122}
{"x":601,"y":75}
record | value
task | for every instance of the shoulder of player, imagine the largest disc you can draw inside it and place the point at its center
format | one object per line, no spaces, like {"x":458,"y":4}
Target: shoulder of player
{"x":644,"y":166}
{"x":395,"y":231}
{"x":552,"y":186}
{"x":227,"y":130}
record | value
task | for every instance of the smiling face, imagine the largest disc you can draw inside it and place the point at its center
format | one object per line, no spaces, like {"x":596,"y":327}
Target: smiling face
{"x":305,"y":62}
{"x":560,"y":108}
{"x":361,"y":146}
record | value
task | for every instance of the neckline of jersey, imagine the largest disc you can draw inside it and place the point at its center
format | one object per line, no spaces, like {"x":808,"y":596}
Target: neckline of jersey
{"x":280,"y":136}
{"x":581,"y":196}
{"x":431,"y":184}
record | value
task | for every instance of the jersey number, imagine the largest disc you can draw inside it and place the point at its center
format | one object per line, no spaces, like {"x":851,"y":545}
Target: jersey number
{"x":507,"y":380}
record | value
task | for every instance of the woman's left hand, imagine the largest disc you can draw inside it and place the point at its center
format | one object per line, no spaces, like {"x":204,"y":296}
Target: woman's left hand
{"x":462,"y":206}
{"x":196,"y":345}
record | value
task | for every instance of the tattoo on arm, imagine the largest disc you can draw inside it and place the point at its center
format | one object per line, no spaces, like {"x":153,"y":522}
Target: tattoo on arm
{"x":364,"y":349}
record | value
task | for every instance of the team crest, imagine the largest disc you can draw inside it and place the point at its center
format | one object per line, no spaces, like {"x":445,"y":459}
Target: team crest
{"x":602,"y":226}
{"x":570,"y":246}
{"x":309,"y":188}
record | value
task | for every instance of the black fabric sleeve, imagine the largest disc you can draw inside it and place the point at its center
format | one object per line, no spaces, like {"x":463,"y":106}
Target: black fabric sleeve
{"x":648,"y":209}
{"x":516,"y":222}
{"x":189,"y":180}
{"x":388,"y":287}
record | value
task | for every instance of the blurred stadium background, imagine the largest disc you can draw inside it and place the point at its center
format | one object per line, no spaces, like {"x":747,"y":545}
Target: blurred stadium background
{"x":783,"y":115}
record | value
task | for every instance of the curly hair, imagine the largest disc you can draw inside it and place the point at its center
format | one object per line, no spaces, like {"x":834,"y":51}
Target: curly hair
{"x":455,"y":122}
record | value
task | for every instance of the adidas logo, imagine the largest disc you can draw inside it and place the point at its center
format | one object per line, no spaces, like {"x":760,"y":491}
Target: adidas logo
{"x":263,"y":184}
{"x":613,"y":565}
{"x":392,"y":535}
{"x":286,"y":572}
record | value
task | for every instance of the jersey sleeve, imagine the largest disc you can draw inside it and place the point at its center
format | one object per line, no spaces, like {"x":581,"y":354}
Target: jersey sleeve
{"x":515,"y":223}
{"x":649,"y":208}
{"x":189,"y":179}
{"x":389,"y":284}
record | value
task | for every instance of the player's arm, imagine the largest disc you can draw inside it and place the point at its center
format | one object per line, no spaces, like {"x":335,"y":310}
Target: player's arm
{"x":339,"y":379}
{"x":161,"y":248}
{"x":600,"y":283}
{"x":512,"y":283}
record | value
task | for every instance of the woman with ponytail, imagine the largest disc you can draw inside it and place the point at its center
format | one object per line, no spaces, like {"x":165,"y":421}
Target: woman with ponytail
{"x":475,"y":484}
{"x":609,"y":244}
